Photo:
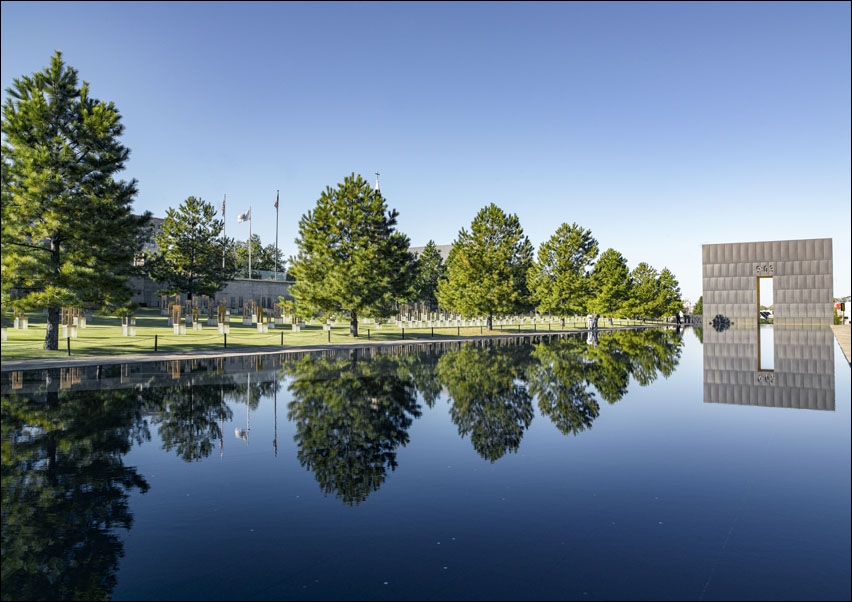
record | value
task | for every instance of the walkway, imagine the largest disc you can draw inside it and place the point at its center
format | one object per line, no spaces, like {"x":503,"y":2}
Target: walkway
{"x":843,"y":334}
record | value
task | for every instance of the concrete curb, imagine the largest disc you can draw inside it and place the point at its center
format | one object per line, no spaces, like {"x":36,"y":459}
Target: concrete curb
{"x":67,"y":362}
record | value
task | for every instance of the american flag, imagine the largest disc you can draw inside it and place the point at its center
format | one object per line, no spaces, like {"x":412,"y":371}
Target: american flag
{"x":276,"y":200}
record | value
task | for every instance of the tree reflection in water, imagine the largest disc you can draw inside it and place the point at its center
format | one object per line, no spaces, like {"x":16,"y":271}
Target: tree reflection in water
{"x":559,"y":379}
{"x":189,"y":418}
{"x":489,"y":399}
{"x":566,"y":373}
{"x":65,"y":490}
{"x":350,"y":416}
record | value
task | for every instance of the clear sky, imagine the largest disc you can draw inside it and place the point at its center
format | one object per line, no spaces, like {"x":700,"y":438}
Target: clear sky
{"x":659,"y":127}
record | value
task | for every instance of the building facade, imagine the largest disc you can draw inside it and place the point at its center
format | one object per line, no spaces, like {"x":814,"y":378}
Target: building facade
{"x":236,"y":293}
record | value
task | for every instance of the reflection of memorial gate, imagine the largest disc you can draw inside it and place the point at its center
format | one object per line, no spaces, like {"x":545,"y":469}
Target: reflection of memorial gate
{"x":802,"y":376}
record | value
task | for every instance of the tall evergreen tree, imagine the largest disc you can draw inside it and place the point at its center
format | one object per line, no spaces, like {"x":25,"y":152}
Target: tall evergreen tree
{"x":430,"y":271}
{"x":193,"y":257}
{"x":487,"y":267}
{"x":559,"y":279}
{"x":69,"y":236}
{"x":669,"y":299}
{"x":610,"y":284}
{"x":350,"y":257}
{"x":643,"y":291}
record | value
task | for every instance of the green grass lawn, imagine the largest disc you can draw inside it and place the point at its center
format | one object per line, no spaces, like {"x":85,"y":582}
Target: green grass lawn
{"x":103,"y":335}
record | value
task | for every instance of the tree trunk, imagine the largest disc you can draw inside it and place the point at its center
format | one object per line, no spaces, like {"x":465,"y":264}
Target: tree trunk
{"x":353,"y":325}
{"x":51,"y":335}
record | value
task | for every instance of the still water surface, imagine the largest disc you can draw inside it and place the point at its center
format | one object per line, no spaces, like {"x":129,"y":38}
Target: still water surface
{"x":644,"y":465}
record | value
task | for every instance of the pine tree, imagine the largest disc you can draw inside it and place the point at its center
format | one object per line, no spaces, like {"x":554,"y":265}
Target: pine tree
{"x":644,"y":291}
{"x":69,"y":236}
{"x":350,"y":257}
{"x":559,"y":279}
{"x":430,"y":271}
{"x":610,"y":284}
{"x":669,"y":299}
{"x":193,"y":257}
{"x":487,"y":268}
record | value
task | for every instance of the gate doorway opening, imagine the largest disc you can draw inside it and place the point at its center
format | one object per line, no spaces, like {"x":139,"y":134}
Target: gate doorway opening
{"x":765,"y":320}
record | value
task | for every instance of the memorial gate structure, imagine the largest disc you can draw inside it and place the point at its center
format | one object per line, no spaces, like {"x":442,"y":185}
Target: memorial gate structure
{"x":788,"y":362}
{"x":801,"y":277}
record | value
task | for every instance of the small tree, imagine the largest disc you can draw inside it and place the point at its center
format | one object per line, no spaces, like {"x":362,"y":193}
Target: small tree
{"x":699,"y":306}
{"x":487,"y":267}
{"x":559,"y":279}
{"x":271,"y":259}
{"x":69,"y":235}
{"x":288,"y":306}
{"x":350,"y":256}
{"x":241,"y":256}
{"x":430,"y":270}
{"x":192,"y":256}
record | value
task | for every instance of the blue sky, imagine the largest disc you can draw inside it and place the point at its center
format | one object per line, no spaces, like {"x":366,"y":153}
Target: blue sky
{"x":659,"y":127}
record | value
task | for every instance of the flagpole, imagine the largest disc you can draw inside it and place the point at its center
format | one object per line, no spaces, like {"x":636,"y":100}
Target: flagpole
{"x":249,"y":242}
{"x":275,"y":260}
{"x":224,"y":237}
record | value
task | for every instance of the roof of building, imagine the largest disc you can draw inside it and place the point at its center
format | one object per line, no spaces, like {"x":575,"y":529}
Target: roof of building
{"x":444,"y":250}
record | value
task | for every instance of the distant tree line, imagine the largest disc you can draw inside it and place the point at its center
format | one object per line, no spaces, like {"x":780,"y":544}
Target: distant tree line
{"x":352,"y":261}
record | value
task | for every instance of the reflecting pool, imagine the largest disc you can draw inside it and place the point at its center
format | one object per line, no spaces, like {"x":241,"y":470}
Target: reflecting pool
{"x":633,"y":465}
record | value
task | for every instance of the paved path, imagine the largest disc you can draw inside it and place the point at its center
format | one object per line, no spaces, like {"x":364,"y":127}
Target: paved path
{"x":843,"y":334}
